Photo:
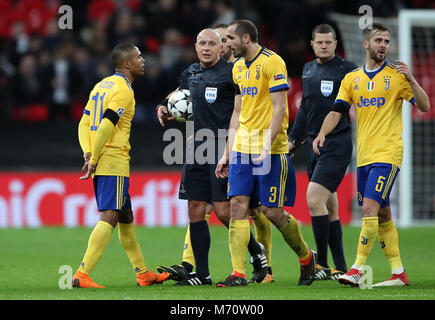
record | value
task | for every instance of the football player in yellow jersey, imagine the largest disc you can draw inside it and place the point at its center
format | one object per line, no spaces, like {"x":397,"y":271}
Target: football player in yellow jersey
{"x":104,"y":133}
{"x":377,"y":91}
{"x":259,"y":167}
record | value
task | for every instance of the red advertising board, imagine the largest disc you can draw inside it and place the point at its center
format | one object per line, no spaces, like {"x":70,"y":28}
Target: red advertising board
{"x":61,"y":199}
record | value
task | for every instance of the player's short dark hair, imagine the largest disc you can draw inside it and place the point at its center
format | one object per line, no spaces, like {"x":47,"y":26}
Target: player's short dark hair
{"x":220,"y":25}
{"x":246,"y":27}
{"x":323,"y":28}
{"x":120,"y":53}
{"x":367,"y":32}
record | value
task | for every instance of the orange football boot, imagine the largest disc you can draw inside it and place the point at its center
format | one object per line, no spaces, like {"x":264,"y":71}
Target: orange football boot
{"x":149,"y":278}
{"x":81,"y":280}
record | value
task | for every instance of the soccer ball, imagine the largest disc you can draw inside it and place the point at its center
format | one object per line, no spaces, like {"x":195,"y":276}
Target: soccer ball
{"x":180,"y":105}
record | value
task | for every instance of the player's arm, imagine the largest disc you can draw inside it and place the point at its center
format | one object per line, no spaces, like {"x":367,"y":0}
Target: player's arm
{"x":329,"y":123}
{"x":420,"y":96}
{"x":84,"y":138}
{"x":278,"y":99}
{"x":222,"y":166}
{"x":84,"y":134}
{"x":104,"y":132}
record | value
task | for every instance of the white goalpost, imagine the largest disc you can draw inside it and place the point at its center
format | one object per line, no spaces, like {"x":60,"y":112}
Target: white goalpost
{"x":413,"y":41}
{"x":406,"y":21}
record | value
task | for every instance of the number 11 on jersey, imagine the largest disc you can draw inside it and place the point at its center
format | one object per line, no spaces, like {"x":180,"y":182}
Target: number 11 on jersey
{"x":94,"y":126}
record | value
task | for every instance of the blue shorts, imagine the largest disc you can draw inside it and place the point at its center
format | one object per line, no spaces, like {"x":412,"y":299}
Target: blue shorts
{"x":111,"y":192}
{"x":272,"y":182}
{"x":375,"y":182}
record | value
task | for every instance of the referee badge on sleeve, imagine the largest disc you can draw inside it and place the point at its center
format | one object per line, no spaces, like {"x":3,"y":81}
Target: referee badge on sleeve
{"x":210,"y":94}
{"x":326,"y":87}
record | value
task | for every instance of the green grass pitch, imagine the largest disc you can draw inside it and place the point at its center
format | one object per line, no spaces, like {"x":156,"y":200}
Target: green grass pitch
{"x":31,"y":258}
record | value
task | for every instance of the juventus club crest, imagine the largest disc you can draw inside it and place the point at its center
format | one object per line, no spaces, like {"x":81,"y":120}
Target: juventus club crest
{"x":326,"y":87}
{"x":387,"y":82}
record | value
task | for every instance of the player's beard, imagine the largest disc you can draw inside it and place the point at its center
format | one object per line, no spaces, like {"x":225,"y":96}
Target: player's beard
{"x":374,"y":56}
{"x":240,"y":51}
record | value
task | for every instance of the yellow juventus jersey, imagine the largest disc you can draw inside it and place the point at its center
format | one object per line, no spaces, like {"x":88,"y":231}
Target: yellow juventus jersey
{"x":115,"y":93}
{"x":256,"y":80}
{"x":377,"y":97}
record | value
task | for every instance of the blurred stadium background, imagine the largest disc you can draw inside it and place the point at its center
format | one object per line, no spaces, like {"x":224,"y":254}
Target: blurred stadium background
{"x":46,"y":75}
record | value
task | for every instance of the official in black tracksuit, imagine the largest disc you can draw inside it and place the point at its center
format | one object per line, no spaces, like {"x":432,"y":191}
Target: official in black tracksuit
{"x":321,"y":80}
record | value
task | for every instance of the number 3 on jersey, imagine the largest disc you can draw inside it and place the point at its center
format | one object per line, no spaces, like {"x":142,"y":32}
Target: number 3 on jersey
{"x":96,"y":114}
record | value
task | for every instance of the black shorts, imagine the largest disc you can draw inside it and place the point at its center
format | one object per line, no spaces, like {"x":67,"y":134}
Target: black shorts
{"x":199,"y":182}
{"x":329,"y":168}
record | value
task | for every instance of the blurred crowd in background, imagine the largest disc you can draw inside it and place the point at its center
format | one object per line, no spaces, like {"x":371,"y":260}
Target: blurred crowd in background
{"x":46,"y":73}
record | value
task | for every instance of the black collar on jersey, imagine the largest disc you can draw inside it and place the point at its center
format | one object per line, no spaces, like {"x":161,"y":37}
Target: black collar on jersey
{"x":372,"y":74}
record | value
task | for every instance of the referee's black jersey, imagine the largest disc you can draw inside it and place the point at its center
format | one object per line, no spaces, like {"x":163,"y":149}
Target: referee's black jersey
{"x":320,"y":84}
{"x":212,"y":91}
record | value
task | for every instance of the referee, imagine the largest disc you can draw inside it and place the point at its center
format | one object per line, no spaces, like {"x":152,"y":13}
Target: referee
{"x":321,"y":80}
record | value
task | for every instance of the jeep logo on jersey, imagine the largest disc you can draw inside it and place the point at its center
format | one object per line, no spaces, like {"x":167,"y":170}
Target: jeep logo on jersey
{"x":250,"y":91}
{"x":120,"y":112}
{"x":375,"y":102}
{"x":326,"y":87}
{"x":210,"y":94}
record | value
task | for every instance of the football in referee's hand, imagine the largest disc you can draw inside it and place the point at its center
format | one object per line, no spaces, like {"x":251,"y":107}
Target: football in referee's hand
{"x":180,"y":105}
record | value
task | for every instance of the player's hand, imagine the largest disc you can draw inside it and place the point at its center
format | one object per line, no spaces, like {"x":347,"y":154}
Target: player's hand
{"x":263,"y":155}
{"x":403,"y":68}
{"x":163,"y":114}
{"x":89,"y":170}
{"x":222,"y":168}
{"x":318,"y":143}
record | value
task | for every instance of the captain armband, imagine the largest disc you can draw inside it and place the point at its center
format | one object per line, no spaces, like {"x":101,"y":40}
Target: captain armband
{"x":340,"y":107}
{"x":113,"y":116}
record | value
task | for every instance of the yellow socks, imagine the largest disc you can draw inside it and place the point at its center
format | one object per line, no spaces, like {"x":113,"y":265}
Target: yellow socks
{"x":369,"y":232}
{"x":292,"y":235}
{"x":188,"y":252}
{"x":263,"y":234}
{"x":97,"y":243}
{"x":127,"y":238}
{"x":389,"y":240}
{"x":239,"y":235}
